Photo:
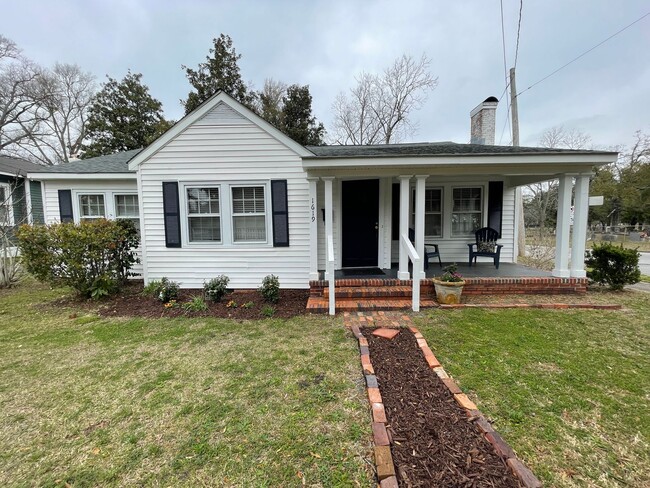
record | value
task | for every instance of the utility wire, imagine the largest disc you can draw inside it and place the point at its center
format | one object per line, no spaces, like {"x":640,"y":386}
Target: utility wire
{"x":584,"y":53}
{"x":505,"y":66}
{"x":521,"y":7}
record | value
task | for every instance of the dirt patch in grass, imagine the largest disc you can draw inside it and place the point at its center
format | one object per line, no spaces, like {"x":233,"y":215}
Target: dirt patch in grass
{"x":238,"y":304}
{"x":434,"y":443}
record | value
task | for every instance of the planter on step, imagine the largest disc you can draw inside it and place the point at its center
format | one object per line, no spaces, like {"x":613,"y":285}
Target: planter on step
{"x":448,"y":292}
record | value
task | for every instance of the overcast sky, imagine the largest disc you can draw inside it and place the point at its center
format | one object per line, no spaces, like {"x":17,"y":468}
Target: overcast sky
{"x":326,"y":43}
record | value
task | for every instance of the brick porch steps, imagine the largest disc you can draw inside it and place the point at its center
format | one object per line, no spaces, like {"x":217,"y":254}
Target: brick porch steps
{"x":371,"y":292}
{"x":321,"y":304}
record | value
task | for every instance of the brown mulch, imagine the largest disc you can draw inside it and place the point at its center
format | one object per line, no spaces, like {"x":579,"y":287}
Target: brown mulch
{"x":434,"y":443}
{"x":130,"y":302}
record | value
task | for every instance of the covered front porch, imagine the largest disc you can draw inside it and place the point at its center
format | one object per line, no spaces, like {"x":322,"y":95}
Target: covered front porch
{"x":373,"y":218}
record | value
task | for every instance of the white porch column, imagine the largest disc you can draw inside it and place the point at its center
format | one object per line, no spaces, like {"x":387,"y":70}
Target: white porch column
{"x":420,"y":190}
{"x":563,"y":228}
{"x":580,"y":216}
{"x":329,"y":219}
{"x":313,"y":228}
{"x":403,"y":273}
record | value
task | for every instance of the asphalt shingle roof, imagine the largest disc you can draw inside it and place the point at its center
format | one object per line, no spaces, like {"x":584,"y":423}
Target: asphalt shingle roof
{"x":21,"y":167}
{"x":112,"y":163}
{"x":431,"y":149}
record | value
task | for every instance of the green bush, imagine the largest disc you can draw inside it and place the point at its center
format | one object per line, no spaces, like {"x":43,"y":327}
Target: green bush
{"x":163,"y":290}
{"x":216,"y":288}
{"x":94,"y":257}
{"x":613,"y":265}
{"x":196,"y":304}
{"x":270,"y":288}
{"x":268,"y":311}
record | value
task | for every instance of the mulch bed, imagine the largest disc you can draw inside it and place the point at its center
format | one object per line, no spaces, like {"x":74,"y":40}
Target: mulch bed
{"x":433,"y":441}
{"x":130,"y":302}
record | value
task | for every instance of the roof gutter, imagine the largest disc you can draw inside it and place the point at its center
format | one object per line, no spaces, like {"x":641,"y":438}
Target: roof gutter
{"x":82,"y":176}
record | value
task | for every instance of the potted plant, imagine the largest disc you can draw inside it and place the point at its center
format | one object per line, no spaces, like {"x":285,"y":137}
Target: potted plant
{"x":449,"y":286}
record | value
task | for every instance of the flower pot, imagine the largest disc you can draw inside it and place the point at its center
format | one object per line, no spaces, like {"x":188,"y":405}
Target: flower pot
{"x":448,"y":292}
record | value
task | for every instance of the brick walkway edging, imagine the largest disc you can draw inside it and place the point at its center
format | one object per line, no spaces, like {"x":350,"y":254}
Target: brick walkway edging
{"x":383,"y":458}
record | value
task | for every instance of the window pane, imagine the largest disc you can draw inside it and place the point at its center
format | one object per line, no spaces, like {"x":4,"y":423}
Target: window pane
{"x":249,"y":228}
{"x":92,"y":206}
{"x":433,"y":225}
{"x":205,"y":229}
{"x":249,"y":199}
{"x":433,"y":200}
{"x":4,"y":206}
{"x":465,"y":224}
{"x":203,"y":200}
{"x":126,"y":206}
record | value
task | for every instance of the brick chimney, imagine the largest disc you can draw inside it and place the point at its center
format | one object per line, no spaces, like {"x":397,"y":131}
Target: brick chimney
{"x":483,"y":120}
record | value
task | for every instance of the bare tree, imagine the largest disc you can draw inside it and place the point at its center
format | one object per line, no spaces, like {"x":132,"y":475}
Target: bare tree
{"x":64,"y":96}
{"x":18,"y":95}
{"x":268,"y":102}
{"x":377,"y":110}
{"x":11,"y":197}
{"x":541,"y":195}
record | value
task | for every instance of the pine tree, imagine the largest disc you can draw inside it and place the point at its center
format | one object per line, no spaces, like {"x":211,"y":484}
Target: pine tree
{"x":296,"y":118}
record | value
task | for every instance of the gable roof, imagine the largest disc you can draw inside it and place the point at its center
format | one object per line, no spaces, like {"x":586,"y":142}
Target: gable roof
{"x":446,"y":148}
{"x":13,"y":166}
{"x":203,"y":109}
{"x":111,"y":163}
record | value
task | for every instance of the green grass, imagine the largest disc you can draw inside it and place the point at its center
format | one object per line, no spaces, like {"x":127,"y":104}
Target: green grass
{"x":86,"y":401}
{"x":569,"y":390}
{"x":645,"y":278}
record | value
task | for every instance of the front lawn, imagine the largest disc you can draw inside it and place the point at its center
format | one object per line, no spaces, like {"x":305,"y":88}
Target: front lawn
{"x":86,"y":401}
{"x":569,"y":390}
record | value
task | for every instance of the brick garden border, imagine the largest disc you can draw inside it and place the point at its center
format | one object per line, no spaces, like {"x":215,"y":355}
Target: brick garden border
{"x":554,"y":306}
{"x":383,"y":458}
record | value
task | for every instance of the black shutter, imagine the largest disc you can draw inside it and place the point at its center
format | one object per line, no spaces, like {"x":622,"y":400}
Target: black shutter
{"x":280,"y":213}
{"x":65,"y":206}
{"x":495,"y":205}
{"x":171,"y":209}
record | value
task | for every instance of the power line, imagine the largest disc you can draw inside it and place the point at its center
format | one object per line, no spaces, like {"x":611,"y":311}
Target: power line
{"x":521,"y":7}
{"x":584,"y":53}
{"x":505,"y":66}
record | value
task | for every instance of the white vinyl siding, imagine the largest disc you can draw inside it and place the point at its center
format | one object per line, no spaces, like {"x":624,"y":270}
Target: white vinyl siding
{"x":227,"y":150}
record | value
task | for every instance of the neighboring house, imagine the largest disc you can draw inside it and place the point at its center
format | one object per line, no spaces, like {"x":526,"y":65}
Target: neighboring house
{"x":21,"y":199}
{"x":224,"y":192}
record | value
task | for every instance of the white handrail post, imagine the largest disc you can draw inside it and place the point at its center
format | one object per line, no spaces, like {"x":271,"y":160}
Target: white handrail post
{"x":415,"y":259}
{"x":403,"y":272}
{"x":330,"y":268}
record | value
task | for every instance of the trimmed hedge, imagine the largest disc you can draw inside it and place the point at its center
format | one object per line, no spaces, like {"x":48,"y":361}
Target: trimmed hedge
{"x":613,"y":266}
{"x":92,"y":257}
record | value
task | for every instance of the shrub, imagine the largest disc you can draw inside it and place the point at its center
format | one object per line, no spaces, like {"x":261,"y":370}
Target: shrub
{"x":613,"y":265}
{"x":231,"y":304}
{"x":216,"y":288}
{"x":92,"y":257}
{"x":247,"y":305}
{"x":268,"y":311}
{"x":270,"y":288}
{"x":196,"y":304}
{"x":163,"y":290}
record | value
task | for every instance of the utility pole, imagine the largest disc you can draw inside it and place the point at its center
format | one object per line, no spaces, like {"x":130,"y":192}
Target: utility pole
{"x":521,"y":225}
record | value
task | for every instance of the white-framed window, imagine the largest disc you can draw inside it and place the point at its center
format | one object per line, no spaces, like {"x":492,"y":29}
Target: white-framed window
{"x":91,"y":206}
{"x":467,"y":210}
{"x":127,"y":208}
{"x":432,"y":211}
{"x":6,"y":206}
{"x":248,"y":213}
{"x":203,"y":213}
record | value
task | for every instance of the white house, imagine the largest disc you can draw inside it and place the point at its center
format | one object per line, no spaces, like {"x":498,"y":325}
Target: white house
{"x":224,"y":192}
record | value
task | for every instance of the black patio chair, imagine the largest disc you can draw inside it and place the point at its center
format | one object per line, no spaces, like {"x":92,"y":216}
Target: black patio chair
{"x":486,"y":246}
{"x":430,"y":250}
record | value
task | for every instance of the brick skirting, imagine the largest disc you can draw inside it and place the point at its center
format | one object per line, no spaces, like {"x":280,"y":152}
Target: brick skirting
{"x":473,"y":286}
